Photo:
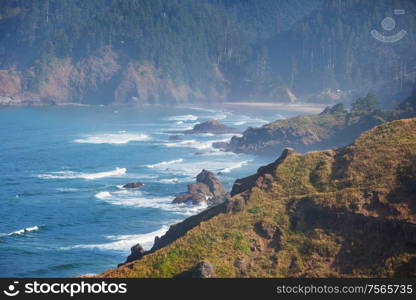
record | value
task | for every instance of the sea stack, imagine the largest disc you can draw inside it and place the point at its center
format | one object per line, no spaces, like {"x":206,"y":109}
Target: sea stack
{"x":213,"y":127}
{"x":133,"y":185}
{"x":207,"y":189}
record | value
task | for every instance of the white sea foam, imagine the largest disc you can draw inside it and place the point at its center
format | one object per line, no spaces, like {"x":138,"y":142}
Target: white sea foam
{"x":117,"y":172}
{"x":184,"y":118}
{"x":170,"y":180}
{"x":143,"y":200}
{"x":200,"y":145}
{"x":220,"y":116}
{"x":125,"y":242}
{"x":201,"y":109}
{"x":218,"y":152}
{"x":240,"y":123}
{"x":113,"y":138}
{"x":103,"y":195}
{"x":207,"y":134}
{"x":165,"y":163}
{"x":192,"y":168}
{"x":233,"y":166}
{"x":24,"y":230}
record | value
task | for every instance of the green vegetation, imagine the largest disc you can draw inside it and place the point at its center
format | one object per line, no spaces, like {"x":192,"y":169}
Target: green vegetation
{"x":342,"y":213}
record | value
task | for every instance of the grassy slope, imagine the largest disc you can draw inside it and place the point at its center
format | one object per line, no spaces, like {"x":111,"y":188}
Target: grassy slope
{"x":348,"y":212}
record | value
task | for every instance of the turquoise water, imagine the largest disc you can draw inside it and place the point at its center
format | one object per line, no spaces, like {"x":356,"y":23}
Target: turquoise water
{"x":62,"y":209}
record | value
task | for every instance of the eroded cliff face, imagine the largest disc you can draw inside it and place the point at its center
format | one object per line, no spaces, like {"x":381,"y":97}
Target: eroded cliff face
{"x":104,"y":78}
{"x":144,"y":84}
{"x":10,"y":83}
{"x":348,"y":212}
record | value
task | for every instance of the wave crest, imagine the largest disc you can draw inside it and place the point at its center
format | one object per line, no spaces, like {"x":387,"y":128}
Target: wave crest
{"x":165,"y":163}
{"x":142,"y":200}
{"x":22,"y":231}
{"x":112,"y":138}
{"x":80,"y":175}
{"x":125,"y":242}
{"x":184,"y":118}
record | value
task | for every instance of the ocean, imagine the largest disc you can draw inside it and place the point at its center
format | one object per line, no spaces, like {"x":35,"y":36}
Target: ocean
{"x":63,"y":211}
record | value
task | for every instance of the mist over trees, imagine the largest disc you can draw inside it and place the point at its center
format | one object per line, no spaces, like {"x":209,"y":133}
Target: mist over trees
{"x":244,"y":50}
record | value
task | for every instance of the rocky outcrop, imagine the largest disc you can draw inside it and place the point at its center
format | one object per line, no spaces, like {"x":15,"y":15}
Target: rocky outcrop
{"x":175,"y":137}
{"x":332,"y":128}
{"x":133,"y":185}
{"x":264,"y":177}
{"x":211,"y":126}
{"x":137,"y":252}
{"x":203,"y":270}
{"x":207,"y":189}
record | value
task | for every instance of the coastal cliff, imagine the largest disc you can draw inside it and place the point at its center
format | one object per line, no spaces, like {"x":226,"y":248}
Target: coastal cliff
{"x":333,"y":127}
{"x":349,"y":212}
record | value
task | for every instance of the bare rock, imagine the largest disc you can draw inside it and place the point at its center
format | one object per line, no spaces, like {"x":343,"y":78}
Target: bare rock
{"x":133,"y":185}
{"x":211,"y":126}
{"x":206,"y":189}
{"x":137,"y":252}
{"x":204,"y":269}
{"x":265,"y":229}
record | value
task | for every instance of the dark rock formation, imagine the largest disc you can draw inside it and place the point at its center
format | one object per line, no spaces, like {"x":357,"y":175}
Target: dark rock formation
{"x":263,"y":178}
{"x":221,"y":145}
{"x":214,"y":185}
{"x":133,"y":185}
{"x":137,"y":252}
{"x":241,"y":265}
{"x":203,"y":270}
{"x":175,"y":137}
{"x":180,"y":229}
{"x":265,"y":229}
{"x":211,"y":126}
{"x":206,"y":189}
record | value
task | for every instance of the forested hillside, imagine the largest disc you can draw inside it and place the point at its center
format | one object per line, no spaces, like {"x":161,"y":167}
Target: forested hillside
{"x":159,"y":51}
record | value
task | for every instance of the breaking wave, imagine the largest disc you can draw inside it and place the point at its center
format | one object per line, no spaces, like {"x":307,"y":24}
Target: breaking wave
{"x":200,"y":145}
{"x":165,"y":163}
{"x":22,"y":231}
{"x":194,"y":167}
{"x":125,"y":242}
{"x":142,"y":200}
{"x":80,"y":175}
{"x":113,"y":138}
{"x":184,"y":118}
